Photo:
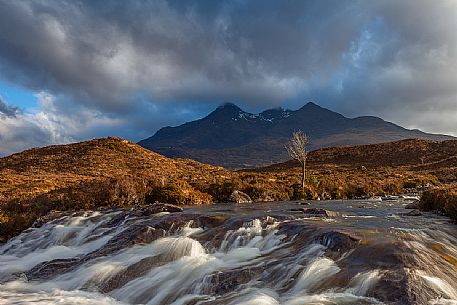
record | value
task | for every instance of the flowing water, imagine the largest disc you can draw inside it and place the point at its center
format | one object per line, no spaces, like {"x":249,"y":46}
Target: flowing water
{"x":366,"y":253}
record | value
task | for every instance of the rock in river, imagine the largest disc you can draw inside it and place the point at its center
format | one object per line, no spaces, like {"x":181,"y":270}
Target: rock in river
{"x":413,"y":213}
{"x":338,"y":241}
{"x":155,"y":208}
{"x":240,"y":197}
{"x":316,"y":212}
{"x":412,"y":205}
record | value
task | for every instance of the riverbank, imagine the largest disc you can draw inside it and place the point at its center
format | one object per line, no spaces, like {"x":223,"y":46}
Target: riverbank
{"x":113,"y":172}
{"x":442,"y":200}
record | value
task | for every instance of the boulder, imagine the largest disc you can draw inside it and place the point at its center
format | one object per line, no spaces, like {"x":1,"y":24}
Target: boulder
{"x":155,"y":208}
{"x":52,"y":215}
{"x":326,"y":196}
{"x":265,"y":198}
{"x":212,"y":221}
{"x":316,"y":212}
{"x":412,"y":205}
{"x":413,"y":213}
{"x":240,"y":197}
{"x":222,"y":282}
{"x":338,"y":241}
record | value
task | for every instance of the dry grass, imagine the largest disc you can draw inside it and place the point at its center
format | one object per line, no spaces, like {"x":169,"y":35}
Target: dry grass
{"x":443,"y":200}
{"x":114,"y":172}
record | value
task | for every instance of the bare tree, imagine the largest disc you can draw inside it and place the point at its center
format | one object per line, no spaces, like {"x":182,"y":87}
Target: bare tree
{"x":296,"y":148}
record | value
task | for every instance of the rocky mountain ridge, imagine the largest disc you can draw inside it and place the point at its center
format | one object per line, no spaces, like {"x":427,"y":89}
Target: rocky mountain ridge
{"x":234,"y":138}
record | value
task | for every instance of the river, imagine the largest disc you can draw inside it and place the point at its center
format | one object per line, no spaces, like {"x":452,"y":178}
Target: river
{"x":367,"y":252}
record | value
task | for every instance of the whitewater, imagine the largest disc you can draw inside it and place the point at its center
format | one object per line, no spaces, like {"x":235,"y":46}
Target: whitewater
{"x":369,"y":252}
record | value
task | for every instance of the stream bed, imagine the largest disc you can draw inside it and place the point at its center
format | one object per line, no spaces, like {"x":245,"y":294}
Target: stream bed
{"x":360,"y":252}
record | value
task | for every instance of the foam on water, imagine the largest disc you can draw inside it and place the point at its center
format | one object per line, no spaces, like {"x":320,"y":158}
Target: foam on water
{"x":447,"y":289}
{"x":316,"y":272}
{"x":258,"y":297}
{"x":60,"y":297}
{"x":363,"y":281}
{"x":257,"y":262}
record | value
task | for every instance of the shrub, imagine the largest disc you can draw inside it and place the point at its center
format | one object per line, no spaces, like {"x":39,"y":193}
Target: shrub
{"x":409,"y":184}
{"x":177,"y":194}
{"x":314,"y":180}
{"x":296,"y":192}
{"x":450,"y":205}
{"x":222,"y":192}
{"x":256,"y":193}
{"x":433,"y":200}
{"x":354,"y":191}
{"x":13,"y":224}
{"x":443,"y":200}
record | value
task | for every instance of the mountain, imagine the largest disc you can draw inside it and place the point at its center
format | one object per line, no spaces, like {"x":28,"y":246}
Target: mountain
{"x":234,"y":138}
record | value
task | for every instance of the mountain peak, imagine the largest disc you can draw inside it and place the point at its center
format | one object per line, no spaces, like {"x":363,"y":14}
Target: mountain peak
{"x":234,"y":138}
{"x":311,"y":105}
{"x":226,"y":111}
{"x":229,"y":107}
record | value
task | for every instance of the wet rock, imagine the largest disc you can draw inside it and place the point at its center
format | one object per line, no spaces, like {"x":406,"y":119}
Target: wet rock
{"x":265,"y":198}
{"x":148,"y":235}
{"x":301,"y":202}
{"x":212,"y":221}
{"x":393,"y":258}
{"x":413,"y":213}
{"x":326,"y":196}
{"x":16,"y":277}
{"x":293,"y":228}
{"x":52,"y":215}
{"x":133,"y":271}
{"x":224,"y":282}
{"x":145,"y":232}
{"x":317,"y":212}
{"x":53,"y":268}
{"x":142,"y":233}
{"x":212,"y":238}
{"x":155,"y":208}
{"x":412,"y":205}
{"x":338,"y":241}
{"x":240,"y":197}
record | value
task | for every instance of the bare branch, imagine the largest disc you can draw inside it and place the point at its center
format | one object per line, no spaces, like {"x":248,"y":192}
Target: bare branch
{"x":296,"y":148}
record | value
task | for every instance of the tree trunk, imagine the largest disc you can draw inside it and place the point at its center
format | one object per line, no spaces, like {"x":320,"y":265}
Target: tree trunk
{"x":303,"y":178}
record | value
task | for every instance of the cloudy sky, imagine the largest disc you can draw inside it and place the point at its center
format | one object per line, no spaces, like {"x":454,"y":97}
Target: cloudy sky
{"x":74,"y":70}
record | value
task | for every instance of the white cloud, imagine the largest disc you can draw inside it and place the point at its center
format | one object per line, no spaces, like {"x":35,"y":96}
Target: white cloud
{"x":51,"y":125}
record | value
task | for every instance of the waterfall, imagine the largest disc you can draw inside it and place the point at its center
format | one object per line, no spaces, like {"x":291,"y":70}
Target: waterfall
{"x":120,"y":257}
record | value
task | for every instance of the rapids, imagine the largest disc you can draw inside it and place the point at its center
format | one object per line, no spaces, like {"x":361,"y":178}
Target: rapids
{"x":259,"y":254}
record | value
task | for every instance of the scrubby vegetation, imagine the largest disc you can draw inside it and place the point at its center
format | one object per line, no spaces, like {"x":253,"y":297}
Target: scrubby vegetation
{"x":94,"y":174}
{"x":442,"y":200}
{"x":114,"y":172}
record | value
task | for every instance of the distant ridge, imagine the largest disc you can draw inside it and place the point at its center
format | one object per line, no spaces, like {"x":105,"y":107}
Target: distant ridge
{"x":234,"y":138}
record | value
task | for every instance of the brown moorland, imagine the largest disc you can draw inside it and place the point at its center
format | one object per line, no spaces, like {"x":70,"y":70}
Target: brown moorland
{"x":442,"y":199}
{"x":114,"y":172}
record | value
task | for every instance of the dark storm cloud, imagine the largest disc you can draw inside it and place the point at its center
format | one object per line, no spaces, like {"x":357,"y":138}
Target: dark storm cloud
{"x":6,"y":109}
{"x":120,"y":62}
{"x":403,"y":67}
{"x":104,"y":52}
